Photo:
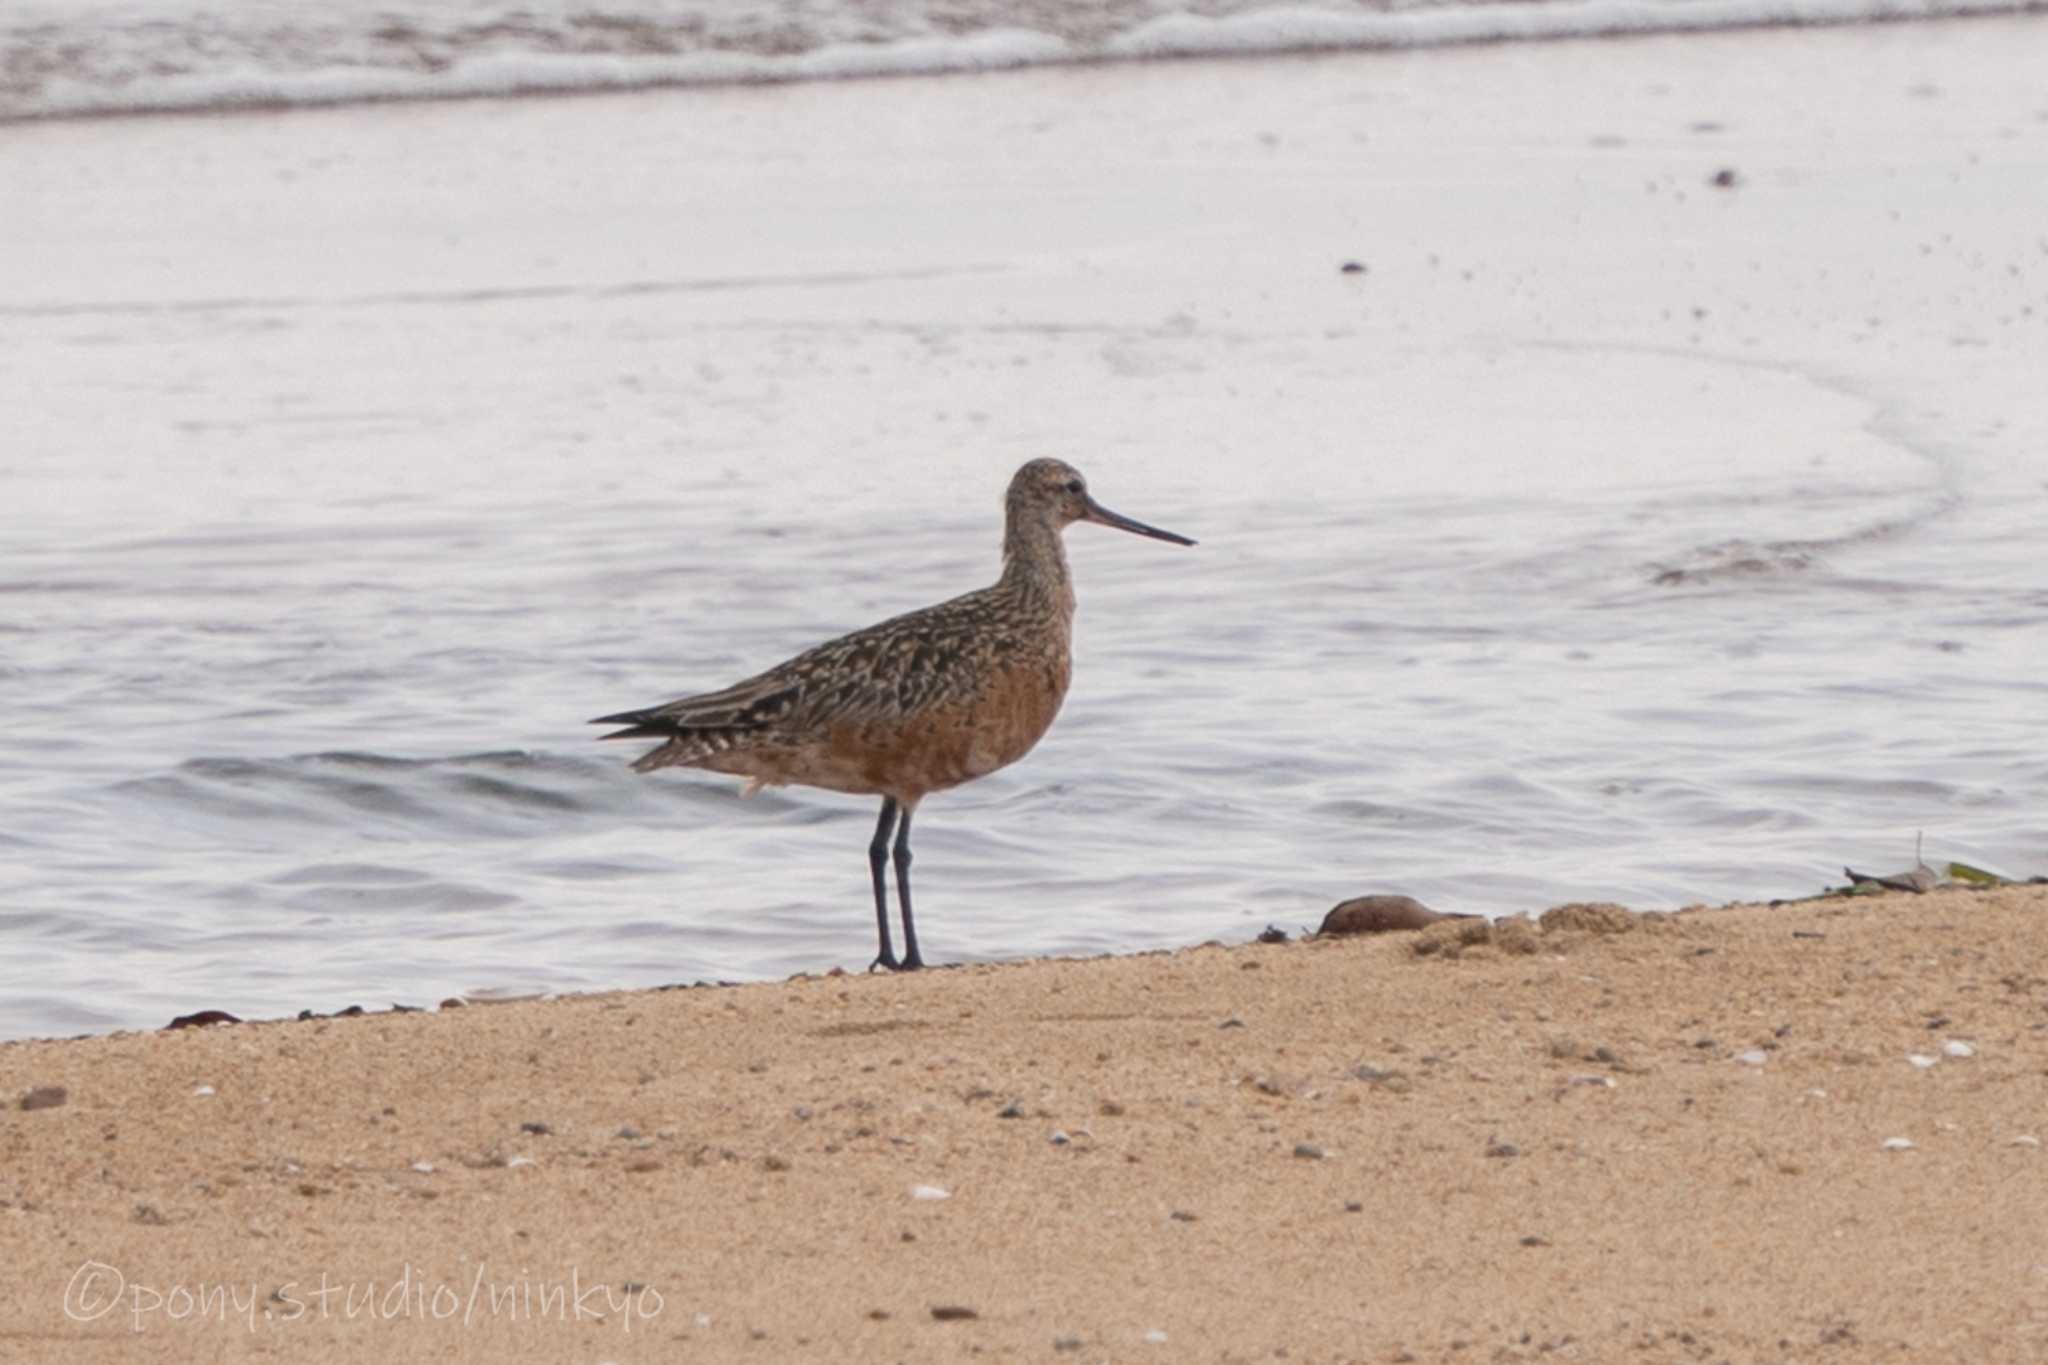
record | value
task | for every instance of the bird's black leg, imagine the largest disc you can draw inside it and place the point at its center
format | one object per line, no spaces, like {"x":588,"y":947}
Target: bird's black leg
{"x":878,"y":861}
{"x":911,"y":959}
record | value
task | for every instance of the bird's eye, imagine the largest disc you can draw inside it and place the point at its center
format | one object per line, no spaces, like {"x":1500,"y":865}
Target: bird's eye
{"x":1073,"y":485}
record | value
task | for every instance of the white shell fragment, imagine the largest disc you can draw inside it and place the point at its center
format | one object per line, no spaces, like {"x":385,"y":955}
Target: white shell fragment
{"x":1898,"y":1144}
{"x":1956,"y":1047}
{"x":929,"y":1192}
{"x":1756,"y":1056}
{"x":1921,"y":1060}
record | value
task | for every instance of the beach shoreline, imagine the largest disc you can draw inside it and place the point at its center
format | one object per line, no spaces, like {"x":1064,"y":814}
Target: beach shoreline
{"x":1742,"y":1133}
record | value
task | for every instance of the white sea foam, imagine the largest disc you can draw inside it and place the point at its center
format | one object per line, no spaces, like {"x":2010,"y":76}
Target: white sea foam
{"x":1305,"y":29}
{"x":113,"y":56}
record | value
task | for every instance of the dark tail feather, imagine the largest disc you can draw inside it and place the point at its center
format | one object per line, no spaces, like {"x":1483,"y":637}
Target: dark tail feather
{"x":648,"y":731}
{"x":639,"y":725}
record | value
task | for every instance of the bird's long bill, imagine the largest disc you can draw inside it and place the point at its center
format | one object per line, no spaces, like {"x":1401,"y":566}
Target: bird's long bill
{"x":1102,"y":516}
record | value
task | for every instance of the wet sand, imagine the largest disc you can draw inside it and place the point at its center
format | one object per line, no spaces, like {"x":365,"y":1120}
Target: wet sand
{"x":1663,"y":1143}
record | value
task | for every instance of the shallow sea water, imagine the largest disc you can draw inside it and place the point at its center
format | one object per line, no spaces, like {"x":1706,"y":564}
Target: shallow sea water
{"x":1507,"y":595}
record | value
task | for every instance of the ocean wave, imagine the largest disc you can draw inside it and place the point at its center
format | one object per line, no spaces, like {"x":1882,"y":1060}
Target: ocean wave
{"x":67,"y":61}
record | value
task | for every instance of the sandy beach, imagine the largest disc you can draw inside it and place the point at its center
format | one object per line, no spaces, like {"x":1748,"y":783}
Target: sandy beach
{"x":1808,"y":1132}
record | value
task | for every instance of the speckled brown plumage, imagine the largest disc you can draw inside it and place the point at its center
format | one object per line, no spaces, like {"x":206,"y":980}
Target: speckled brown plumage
{"x":915,"y":704}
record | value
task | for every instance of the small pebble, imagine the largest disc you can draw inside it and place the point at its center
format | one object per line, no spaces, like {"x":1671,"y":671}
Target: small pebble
{"x":1067,"y":1343}
{"x":1353,"y":1206}
{"x":1898,"y":1144}
{"x":1756,"y":1056}
{"x":929,"y":1192}
{"x":1308,"y":1151}
{"x":45,"y":1097}
{"x":423,"y":1167}
{"x":1059,"y":1138}
{"x":519,"y":1161}
{"x":953,"y":1312}
{"x":1921,"y":1060}
{"x":202,"y":1090}
{"x":1012,"y":1110}
{"x":1181,"y":1216}
{"x":1502,"y":1149}
{"x":1607,"y":1081}
{"x":628,"y":1132}
{"x":1956,"y":1047}
{"x":1232,"y":1022}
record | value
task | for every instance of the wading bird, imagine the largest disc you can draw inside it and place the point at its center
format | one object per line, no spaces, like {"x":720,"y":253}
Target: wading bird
{"x":913,"y":705}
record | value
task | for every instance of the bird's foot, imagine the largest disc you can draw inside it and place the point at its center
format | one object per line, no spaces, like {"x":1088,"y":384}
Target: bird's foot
{"x":885,"y":962}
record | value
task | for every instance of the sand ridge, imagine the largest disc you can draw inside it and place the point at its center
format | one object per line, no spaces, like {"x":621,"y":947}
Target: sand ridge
{"x":1662,"y":1143}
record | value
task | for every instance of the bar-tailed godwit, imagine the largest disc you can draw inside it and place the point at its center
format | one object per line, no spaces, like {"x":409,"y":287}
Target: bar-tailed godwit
{"x":916,"y":704}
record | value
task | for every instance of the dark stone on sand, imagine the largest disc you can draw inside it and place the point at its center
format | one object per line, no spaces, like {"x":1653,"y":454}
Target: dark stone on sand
{"x":953,"y":1312}
{"x":202,"y":1018}
{"x":45,"y":1097}
{"x":1382,"y":915}
{"x":453,"y":1002}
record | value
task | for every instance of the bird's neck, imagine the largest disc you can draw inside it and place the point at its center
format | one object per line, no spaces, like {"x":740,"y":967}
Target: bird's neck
{"x":1035,"y":563}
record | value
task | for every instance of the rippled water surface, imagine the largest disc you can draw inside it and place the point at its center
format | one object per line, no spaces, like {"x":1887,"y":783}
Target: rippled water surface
{"x":1524,"y":576}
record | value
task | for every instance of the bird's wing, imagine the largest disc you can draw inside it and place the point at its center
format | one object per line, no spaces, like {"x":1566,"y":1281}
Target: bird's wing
{"x":895,"y":666}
